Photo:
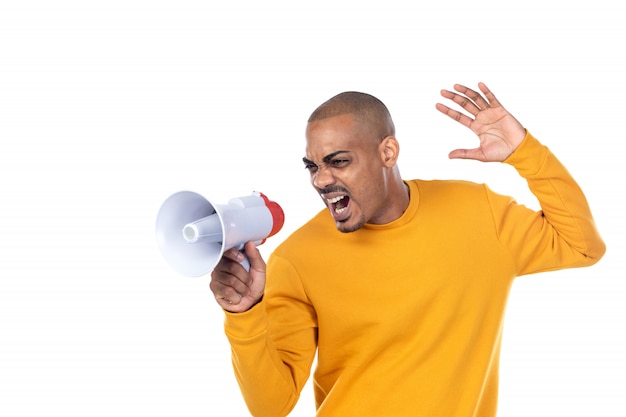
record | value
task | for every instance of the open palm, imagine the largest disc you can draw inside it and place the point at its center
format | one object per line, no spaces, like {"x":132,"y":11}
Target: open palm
{"x":498,"y":131}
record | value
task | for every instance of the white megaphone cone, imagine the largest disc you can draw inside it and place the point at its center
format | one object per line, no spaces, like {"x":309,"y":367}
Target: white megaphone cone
{"x":193,"y":234}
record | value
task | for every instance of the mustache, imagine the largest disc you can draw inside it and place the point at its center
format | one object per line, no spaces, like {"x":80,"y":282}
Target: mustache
{"x":333,"y":189}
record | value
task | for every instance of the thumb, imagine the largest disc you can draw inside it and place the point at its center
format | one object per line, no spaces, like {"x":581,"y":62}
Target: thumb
{"x":254,"y":257}
{"x":475,"y":153}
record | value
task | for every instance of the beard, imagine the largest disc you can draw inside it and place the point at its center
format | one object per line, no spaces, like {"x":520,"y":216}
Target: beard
{"x":348,"y":227}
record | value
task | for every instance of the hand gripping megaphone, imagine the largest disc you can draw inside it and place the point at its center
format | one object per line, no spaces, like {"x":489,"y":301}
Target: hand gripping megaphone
{"x":193,"y":233}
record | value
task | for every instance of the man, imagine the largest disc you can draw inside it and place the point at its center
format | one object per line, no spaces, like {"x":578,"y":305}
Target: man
{"x":399,"y":285}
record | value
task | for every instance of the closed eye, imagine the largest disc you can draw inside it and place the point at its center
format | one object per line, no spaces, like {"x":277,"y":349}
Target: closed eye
{"x":338,"y":163}
{"x":309,"y":165}
{"x":332,"y":160}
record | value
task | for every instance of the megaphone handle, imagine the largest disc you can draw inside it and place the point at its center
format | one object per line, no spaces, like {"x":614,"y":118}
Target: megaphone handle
{"x":246,"y":262}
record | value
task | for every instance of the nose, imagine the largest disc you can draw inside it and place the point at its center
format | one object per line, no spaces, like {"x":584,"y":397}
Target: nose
{"x":323,"y":177}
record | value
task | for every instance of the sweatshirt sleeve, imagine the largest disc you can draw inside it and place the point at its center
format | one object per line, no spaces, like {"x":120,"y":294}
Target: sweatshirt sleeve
{"x":274,"y":343}
{"x":563,"y":233}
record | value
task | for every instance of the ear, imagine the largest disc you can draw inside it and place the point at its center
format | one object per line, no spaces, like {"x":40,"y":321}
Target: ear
{"x":389,"y":151}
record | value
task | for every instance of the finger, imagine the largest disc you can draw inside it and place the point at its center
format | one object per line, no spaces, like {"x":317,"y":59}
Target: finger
{"x":456,"y":115}
{"x":225,"y":295}
{"x":493,"y":101}
{"x":230,"y":274}
{"x":477,"y":99}
{"x":234,"y":255}
{"x":464,"y":102}
{"x":475,"y":154}
{"x":254,"y":257}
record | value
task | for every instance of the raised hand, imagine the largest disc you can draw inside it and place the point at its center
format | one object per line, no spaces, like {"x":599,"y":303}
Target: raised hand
{"x":498,"y":131}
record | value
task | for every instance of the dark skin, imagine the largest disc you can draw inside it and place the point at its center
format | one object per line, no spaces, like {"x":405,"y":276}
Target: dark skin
{"x":354,"y":172}
{"x":358,"y":179}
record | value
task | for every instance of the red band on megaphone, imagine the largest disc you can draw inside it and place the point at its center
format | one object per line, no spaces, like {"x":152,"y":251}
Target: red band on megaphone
{"x":278,"y":216}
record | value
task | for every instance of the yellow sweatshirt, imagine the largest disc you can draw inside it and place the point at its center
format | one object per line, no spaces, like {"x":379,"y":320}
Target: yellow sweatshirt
{"x":407,"y":316}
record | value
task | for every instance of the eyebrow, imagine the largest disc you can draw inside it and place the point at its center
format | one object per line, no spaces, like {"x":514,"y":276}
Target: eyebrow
{"x":327,"y":158}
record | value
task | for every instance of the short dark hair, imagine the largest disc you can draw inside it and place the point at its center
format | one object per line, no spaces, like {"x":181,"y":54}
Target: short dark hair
{"x":365,"y":108}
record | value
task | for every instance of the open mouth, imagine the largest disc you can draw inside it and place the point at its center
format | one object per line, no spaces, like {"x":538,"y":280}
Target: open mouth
{"x":339,"y":204}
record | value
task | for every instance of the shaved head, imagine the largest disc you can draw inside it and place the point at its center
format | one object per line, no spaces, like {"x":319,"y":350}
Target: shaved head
{"x":368,"y":111}
{"x":351,"y":155}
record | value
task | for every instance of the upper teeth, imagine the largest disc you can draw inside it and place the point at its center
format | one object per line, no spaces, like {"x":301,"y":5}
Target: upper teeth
{"x":334,"y":200}
{"x":338,"y":210}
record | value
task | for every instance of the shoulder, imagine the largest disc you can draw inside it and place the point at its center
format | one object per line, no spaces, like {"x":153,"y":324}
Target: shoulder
{"x":448,"y":188}
{"x":440,"y":198}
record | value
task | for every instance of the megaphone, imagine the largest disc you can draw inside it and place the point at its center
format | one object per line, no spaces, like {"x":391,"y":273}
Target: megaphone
{"x":193,"y":233}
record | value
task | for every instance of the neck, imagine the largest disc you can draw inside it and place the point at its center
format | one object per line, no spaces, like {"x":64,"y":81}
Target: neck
{"x":400,"y":194}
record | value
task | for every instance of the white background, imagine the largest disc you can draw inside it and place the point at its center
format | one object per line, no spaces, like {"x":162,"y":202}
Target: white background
{"x":108,"y":107}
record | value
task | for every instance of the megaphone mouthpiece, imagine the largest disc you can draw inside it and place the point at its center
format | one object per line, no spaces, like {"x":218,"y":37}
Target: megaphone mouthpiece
{"x":207,"y":229}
